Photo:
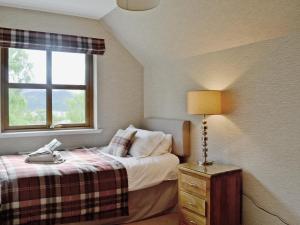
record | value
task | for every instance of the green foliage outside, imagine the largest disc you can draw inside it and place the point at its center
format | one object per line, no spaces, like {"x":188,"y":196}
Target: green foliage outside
{"x":76,"y":105}
{"x":75,"y":110}
{"x":20,"y":71}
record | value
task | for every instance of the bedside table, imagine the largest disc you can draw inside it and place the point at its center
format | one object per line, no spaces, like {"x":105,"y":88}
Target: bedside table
{"x":209,"y":195}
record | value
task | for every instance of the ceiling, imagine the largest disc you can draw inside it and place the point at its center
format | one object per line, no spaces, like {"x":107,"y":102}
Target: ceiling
{"x":179,"y":29}
{"x":94,"y":9}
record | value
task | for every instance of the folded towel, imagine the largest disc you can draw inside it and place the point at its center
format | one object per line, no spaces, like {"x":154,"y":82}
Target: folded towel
{"x":53,"y":158}
{"x":46,"y":154}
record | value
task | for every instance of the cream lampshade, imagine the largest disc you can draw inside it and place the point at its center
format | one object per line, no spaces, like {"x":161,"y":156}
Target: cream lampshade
{"x":137,"y":5}
{"x":204,"y":103}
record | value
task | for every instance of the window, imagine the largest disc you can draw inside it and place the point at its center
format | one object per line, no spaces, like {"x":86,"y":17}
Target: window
{"x":45,"y":90}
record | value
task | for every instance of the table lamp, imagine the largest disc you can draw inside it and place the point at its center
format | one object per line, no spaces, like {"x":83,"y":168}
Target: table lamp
{"x":204,"y":103}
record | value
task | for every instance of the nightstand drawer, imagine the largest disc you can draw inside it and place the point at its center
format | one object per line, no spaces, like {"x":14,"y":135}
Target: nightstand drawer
{"x":192,"y":203}
{"x":189,"y":218}
{"x":193,"y":184}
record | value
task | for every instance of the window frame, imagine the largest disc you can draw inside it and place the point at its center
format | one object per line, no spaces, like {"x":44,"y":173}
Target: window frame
{"x":49,"y":87}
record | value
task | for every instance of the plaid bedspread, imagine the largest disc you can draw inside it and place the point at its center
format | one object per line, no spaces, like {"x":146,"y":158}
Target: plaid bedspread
{"x":88,"y":186}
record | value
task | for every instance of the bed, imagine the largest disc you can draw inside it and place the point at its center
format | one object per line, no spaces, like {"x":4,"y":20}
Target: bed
{"x":134,"y":189}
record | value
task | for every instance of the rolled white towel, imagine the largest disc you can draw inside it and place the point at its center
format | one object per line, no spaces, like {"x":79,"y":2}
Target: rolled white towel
{"x":46,"y":154}
{"x":44,"y":151}
{"x":54,"y":144}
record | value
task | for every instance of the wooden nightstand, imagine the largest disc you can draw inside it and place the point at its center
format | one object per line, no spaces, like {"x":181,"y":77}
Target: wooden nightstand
{"x":209,"y":195}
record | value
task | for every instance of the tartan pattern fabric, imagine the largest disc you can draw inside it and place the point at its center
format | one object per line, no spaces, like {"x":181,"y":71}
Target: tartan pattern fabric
{"x":88,"y":186}
{"x":121,"y":143}
{"x":16,"y":38}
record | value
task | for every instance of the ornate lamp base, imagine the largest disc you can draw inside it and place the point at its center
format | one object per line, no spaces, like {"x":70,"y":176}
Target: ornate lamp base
{"x":204,"y":144}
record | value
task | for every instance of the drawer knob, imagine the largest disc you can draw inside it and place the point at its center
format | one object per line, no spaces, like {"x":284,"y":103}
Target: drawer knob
{"x":191,"y":204}
{"x":192,"y":222}
{"x":192,"y":184}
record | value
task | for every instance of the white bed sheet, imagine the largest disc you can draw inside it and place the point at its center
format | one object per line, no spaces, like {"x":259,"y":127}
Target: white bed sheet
{"x":149,"y":171}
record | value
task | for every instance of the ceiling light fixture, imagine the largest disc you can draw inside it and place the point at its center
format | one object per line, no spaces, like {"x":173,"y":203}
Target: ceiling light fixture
{"x":137,"y":5}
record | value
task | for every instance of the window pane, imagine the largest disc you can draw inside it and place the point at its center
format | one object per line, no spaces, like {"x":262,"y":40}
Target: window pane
{"x":27,"y":66}
{"x":27,"y":107}
{"x":68,"y":106}
{"x":68,"y":68}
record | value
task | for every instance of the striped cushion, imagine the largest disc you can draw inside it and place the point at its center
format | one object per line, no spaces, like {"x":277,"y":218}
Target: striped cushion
{"x":120,"y":143}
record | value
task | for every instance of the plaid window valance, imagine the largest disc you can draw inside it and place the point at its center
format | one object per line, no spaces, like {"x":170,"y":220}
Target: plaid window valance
{"x":15,"y":38}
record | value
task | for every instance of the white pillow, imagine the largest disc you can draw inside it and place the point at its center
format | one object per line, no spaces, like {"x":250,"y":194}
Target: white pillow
{"x":145,"y":142}
{"x":164,"y":147}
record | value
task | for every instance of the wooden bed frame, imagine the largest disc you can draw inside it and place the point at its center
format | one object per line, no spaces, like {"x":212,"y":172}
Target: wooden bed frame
{"x":180,"y":130}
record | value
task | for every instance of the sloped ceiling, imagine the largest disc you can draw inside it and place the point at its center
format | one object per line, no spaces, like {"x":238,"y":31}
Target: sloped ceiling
{"x":93,"y":9}
{"x":179,"y":29}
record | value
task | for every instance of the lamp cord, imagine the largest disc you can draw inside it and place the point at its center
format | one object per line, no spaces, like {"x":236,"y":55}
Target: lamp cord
{"x":266,"y":211}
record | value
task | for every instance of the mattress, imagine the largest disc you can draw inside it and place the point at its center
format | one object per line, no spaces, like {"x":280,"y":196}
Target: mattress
{"x":149,"y":171}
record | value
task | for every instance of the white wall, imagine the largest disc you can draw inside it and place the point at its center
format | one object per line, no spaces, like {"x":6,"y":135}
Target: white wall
{"x":249,"y":48}
{"x":260,"y":134}
{"x":120,"y":78}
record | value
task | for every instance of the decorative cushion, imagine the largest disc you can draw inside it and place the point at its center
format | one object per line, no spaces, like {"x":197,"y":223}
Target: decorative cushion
{"x":120,"y":143}
{"x":145,"y":141}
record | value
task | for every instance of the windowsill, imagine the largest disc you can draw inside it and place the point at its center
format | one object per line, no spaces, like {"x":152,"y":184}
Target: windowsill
{"x":49,"y":133}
